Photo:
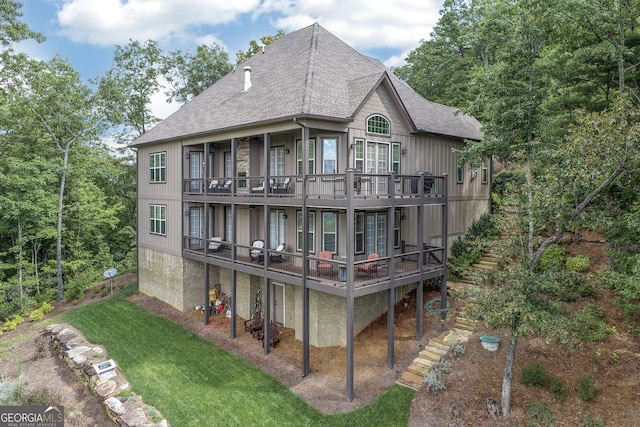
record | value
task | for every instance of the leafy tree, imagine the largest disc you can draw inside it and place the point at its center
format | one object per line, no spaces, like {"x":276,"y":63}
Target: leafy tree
{"x":11,"y":29}
{"x":125,"y":90}
{"x":52,"y":98}
{"x":188,"y":74}
{"x":254,"y":47}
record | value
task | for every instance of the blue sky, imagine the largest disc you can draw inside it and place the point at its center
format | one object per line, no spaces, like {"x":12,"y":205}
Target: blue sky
{"x":85,"y":32}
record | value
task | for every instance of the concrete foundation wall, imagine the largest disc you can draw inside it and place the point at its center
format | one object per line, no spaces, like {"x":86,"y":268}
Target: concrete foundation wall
{"x":160,"y":275}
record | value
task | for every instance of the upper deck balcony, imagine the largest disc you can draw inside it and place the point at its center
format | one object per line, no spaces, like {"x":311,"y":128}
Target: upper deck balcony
{"x":335,"y":190}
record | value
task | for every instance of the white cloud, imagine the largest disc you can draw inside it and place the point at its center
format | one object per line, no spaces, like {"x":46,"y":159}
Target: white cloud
{"x":108,"y":22}
{"x":397,"y":24}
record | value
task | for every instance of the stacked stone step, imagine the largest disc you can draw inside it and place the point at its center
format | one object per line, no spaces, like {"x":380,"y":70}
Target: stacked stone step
{"x":463,"y":327}
{"x":415,"y":374}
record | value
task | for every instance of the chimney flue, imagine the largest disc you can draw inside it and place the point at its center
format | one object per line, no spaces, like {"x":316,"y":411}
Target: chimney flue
{"x":247,"y":78}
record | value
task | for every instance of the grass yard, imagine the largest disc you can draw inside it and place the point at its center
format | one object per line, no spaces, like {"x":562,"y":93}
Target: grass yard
{"x":194,"y":383}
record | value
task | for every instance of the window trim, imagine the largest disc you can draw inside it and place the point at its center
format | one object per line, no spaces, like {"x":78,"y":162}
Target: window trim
{"x":311,"y":166}
{"x":356,"y":233}
{"x":155,"y":222}
{"x":160,"y":169}
{"x":335,"y":232}
{"x":376,"y":122}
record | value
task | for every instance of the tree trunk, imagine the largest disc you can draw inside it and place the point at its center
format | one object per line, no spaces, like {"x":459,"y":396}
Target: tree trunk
{"x":508,"y":373}
{"x":581,"y":207}
{"x":63,"y":179}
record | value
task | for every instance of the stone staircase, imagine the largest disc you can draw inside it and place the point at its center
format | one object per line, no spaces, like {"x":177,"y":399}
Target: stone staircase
{"x":463,"y":327}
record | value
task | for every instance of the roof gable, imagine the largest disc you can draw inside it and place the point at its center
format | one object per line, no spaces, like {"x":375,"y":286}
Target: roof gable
{"x":309,"y":72}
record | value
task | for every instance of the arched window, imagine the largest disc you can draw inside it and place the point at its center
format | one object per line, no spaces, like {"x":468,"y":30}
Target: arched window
{"x":378,"y":124}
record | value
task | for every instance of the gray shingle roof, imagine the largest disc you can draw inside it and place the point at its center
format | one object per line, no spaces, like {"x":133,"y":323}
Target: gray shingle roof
{"x":309,"y":72}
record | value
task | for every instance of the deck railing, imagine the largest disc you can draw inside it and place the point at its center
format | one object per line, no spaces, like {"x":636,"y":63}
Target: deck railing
{"x":333,"y":186}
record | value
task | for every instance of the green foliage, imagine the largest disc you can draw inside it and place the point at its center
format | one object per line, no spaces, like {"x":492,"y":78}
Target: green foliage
{"x":591,"y":422}
{"x":505,"y":182}
{"x":533,"y":376}
{"x":552,"y":258}
{"x":558,"y":390}
{"x":578,"y":263}
{"x":46,"y":307}
{"x":13,"y":322}
{"x":457,"y":350}
{"x":36,"y":314}
{"x":254,"y":47}
{"x":467,"y":250}
{"x":484,"y":228}
{"x":589,"y":324}
{"x":587,"y":388}
{"x":626,"y":287}
{"x":539,"y":414}
{"x":566,"y":286}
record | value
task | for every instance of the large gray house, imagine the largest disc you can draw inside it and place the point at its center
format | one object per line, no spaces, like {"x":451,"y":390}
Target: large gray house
{"x":311,"y":179}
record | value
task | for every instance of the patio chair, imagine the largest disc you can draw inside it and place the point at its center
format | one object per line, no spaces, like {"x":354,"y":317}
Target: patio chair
{"x":369,"y":267}
{"x":324,"y":266}
{"x":282,"y":187}
{"x":254,"y":325}
{"x":259,"y":188}
{"x":215,"y":244}
{"x":277,"y":257}
{"x":257,"y":254}
{"x":213,"y":184}
{"x":274,"y":335}
{"x":224,"y":188}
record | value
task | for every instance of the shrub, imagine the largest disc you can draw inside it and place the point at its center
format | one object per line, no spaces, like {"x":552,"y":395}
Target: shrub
{"x":558,"y":390}
{"x":12,"y":323}
{"x":41,"y":397}
{"x":587,"y":388}
{"x":552,"y":258}
{"x":578,"y":263}
{"x":589,"y":325}
{"x":483,"y":228}
{"x":539,"y":413}
{"x":37,"y":314}
{"x":46,"y":307}
{"x":533,"y":376}
{"x":459,"y":247}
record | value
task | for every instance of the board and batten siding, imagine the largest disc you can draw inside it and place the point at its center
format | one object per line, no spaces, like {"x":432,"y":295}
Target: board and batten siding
{"x":168,"y":193}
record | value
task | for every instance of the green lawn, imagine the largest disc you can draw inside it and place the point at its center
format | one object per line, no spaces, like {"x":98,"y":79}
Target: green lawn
{"x":194,"y":383}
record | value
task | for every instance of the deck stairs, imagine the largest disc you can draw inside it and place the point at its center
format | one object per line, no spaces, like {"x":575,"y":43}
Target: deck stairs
{"x":462,"y":329}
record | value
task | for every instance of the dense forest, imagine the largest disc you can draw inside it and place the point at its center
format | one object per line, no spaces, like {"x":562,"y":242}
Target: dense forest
{"x":555,"y":85}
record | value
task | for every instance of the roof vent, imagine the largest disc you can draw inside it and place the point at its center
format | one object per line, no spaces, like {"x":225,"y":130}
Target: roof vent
{"x":247,"y":78}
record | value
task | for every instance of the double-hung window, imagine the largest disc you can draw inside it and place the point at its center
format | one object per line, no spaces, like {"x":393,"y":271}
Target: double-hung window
{"x":276,"y":161}
{"x":329,"y":231}
{"x":311,"y":169}
{"x":359,"y":232}
{"x":158,"y":167}
{"x":158,"y":219}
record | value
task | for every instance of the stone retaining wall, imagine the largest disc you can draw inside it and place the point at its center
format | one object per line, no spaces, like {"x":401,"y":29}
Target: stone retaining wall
{"x":124,"y":408}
